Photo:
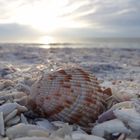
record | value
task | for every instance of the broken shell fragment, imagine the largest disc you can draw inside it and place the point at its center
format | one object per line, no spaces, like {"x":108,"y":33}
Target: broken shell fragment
{"x":2,"y":102}
{"x":21,"y":130}
{"x":2,"y":128}
{"x":10,"y":115}
{"x":108,"y":115}
{"x":4,"y":138}
{"x":80,"y":136}
{"x":46,"y":125}
{"x":23,"y":88}
{"x":38,"y":133}
{"x":36,"y":138}
{"x":23,"y":119}
{"x":6,"y":84}
{"x":110,"y":127}
{"x":125,"y":104}
{"x":12,"y":96}
{"x":9,"y":107}
{"x":62,"y":132}
{"x":130,"y":117}
{"x":13,"y":121}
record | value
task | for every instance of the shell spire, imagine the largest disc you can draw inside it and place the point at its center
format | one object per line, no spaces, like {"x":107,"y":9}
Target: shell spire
{"x":72,"y":95}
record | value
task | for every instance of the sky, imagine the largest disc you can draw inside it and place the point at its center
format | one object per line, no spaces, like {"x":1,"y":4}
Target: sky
{"x":49,"y":21}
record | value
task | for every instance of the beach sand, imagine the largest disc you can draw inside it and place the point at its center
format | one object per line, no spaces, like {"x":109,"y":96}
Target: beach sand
{"x":117,"y":68}
{"x":110,"y":65}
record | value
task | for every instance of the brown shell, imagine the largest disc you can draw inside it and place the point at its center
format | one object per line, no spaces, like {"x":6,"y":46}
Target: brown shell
{"x":72,"y":95}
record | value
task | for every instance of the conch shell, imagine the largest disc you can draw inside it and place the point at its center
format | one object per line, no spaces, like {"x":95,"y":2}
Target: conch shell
{"x":71,"y":95}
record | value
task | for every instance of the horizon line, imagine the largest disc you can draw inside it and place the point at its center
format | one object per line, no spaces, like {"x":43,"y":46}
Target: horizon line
{"x":80,"y":42}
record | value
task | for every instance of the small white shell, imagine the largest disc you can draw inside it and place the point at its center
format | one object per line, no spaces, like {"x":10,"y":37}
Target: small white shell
{"x":9,"y":107}
{"x":5,"y":84}
{"x":23,"y":119}
{"x":38,"y":133}
{"x":62,"y":132}
{"x":37,"y":138}
{"x":2,"y":131}
{"x":110,"y":127}
{"x":21,"y":130}
{"x":58,"y":124}
{"x":23,"y":88}
{"x":4,"y":138}
{"x":129,"y":116}
{"x":12,"y":96}
{"x":46,"y":125}
{"x":80,"y":136}
{"x":109,"y":114}
{"x":10,"y":115}
{"x":2,"y":101}
{"x":13,"y":121}
{"x":125,"y":104}
{"x":21,"y":108}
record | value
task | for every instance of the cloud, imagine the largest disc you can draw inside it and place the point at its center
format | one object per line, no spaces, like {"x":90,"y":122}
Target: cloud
{"x":109,"y":17}
{"x":102,"y":18}
{"x":110,"y":12}
{"x":13,"y":32}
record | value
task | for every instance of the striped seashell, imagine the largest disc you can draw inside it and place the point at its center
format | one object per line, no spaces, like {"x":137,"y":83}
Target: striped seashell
{"x":71,"y":95}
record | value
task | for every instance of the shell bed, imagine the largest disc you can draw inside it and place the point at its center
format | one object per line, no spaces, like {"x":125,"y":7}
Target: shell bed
{"x":71,"y":95}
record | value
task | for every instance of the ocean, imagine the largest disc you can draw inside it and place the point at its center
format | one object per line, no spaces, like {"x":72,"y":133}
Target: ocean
{"x":89,"y":43}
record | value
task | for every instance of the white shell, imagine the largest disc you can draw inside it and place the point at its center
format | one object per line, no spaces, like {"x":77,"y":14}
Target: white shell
{"x":46,"y":125}
{"x":2,"y":101}
{"x":21,"y":130}
{"x":10,"y":115}
{"x":38,"y":133}
{"x":62,"y":132}
{"x":9,"y":107}
{"x":4,"y":138}
{"x":37,"y":138}
{"x":58,"y":124}
{"x":125,"y":104}
{"x":2,"y":131}
{"x":23,"y":119}
{"x":129,"y":116}
{"x":112,"y":126}
{"x":13,"y":121}
{"x":21,"y":108}
{"x":80,"y":136}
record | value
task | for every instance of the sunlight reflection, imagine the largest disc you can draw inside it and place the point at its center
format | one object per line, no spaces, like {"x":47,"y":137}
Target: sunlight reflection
{"x":46,"y":40}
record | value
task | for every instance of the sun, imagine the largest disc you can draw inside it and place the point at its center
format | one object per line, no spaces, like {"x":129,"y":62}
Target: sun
{"x":46,"y":40}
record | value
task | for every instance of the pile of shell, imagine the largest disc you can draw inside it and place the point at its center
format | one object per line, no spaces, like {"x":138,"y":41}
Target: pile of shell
{"x":16,"y":123}
{"x":120,"y":121}
{"x":121,"y":118}
{"x":15,"y":126}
